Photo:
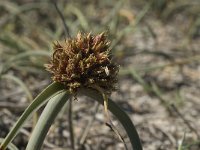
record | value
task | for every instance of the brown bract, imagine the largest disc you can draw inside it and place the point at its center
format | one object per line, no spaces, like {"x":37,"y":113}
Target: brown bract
{"x":84,"y":61}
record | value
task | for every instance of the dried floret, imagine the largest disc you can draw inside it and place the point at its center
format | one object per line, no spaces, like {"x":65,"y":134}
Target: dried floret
{"x":84,"y":61}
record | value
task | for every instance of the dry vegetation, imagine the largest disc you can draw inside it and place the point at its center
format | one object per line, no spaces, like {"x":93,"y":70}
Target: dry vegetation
{"x":156,"y":44}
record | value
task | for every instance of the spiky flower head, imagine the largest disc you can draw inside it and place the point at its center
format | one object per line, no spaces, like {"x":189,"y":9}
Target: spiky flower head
{"x":84,"y":61}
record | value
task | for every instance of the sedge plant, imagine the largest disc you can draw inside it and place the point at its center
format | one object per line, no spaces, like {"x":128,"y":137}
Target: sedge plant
{"x":79,"y":66}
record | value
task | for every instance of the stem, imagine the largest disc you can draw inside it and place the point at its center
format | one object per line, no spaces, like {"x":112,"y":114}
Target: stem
{"x":86,"y":131}
{"x":119,"y":113}
{"x":108,"y":120}
{"x":71,"y":129}
{"x":62,"y":18}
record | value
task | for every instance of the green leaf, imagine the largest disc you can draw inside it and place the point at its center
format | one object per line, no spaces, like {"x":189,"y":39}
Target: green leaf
{"x":41,"y":99}
{"x":20,"y":83}
{"x":120,"y":114}
{"x":10,"y":146}
{"x":21,"y":57}
{"x":46,"y":119}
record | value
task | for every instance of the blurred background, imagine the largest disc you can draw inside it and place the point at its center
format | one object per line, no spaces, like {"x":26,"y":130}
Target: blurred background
{"x":155,"y":42}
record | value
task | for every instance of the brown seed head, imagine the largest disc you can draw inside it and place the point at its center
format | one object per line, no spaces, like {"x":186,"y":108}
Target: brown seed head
{"x":84,"y":61}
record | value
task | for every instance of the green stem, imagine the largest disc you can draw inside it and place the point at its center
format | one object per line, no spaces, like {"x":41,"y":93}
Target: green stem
{"x":37,"y":102}
{"x":46,"y":119}
{"x":120,"y":114}
{"x":89,"y":124}
{"x":71,"y":128}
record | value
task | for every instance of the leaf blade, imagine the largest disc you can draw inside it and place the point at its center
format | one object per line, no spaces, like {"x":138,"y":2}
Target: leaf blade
{"x":37,"y":102}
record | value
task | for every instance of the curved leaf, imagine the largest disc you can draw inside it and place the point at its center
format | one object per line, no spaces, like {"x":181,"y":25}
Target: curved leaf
{"x":46,"y":119}
{"x":120,"y":114}
{"x":10,"y":146}
{"x":42,"y":98}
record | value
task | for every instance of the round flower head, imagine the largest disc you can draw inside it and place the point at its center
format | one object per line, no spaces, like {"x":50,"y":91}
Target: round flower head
{"x":84,"y":61}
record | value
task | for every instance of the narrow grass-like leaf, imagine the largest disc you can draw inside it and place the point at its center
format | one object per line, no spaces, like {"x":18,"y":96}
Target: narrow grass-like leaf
{"x":8,"y":40}
{"x":26,"y":90}
{"x":139,"y":79}
{"x":47,"y":118}
{"x":21,"y":56}
{"x":132,"y":26}
{"x":82,"y":19}
{"x":10,"y":146}
{"x":31,"y":69}
{"x":21,"y":84}
{"x":181,"y":142}
{"x":43,"y":97}
{"x":120,"y":114}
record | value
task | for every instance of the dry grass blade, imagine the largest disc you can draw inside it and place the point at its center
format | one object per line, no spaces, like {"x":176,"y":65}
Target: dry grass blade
{"x":185,"y":121}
